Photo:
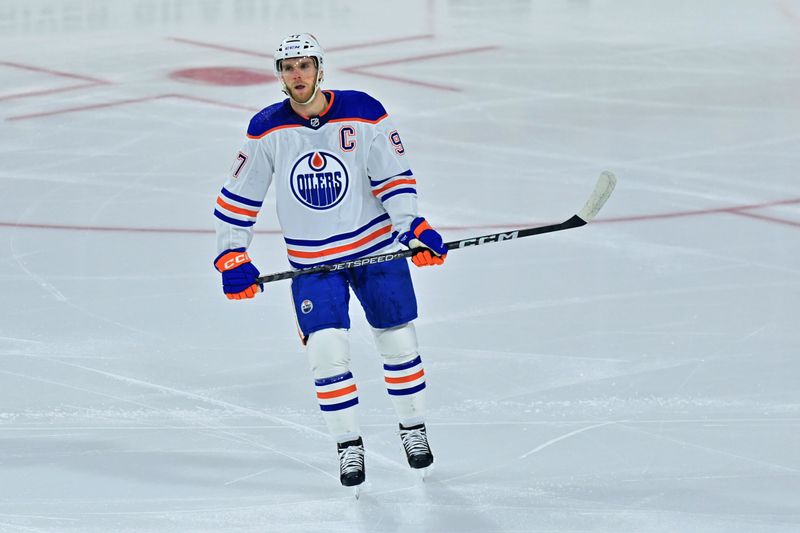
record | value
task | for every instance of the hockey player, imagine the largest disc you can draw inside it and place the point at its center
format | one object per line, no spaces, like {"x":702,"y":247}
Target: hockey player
{"x":344,"y":190}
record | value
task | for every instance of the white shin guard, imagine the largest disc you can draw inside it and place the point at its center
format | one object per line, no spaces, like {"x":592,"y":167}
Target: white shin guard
{"x":403,"y":372}
{"x":328,"y":353}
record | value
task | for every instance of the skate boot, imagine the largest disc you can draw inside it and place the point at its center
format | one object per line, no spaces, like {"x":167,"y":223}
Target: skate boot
{"x":351,"y":462}
{"x":415,"y":443}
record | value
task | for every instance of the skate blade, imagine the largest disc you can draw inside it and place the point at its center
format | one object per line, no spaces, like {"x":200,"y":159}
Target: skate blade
{"x":357,"y":489}
{"x":423,"y":473}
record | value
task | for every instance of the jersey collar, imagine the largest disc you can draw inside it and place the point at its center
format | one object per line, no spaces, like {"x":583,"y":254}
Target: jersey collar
{"x":318,"y":121}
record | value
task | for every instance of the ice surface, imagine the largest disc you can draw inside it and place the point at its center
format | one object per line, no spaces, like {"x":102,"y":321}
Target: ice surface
{"x":639,"y":374}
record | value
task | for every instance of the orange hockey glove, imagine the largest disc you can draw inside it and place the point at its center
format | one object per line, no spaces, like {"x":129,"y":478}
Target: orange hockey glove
{"x":432,"y":250}
{"x":238,"y":274}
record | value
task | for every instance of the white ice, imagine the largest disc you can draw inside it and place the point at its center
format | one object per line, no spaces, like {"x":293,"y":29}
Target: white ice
{"x":639,"y":374}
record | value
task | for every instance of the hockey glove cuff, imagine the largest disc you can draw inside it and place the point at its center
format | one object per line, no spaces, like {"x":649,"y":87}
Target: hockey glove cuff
{"x":432,"y":250}
{"x":238,"y":274}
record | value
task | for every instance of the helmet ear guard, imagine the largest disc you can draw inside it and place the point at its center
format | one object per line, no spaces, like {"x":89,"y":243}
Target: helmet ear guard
{"x":296,"y":46}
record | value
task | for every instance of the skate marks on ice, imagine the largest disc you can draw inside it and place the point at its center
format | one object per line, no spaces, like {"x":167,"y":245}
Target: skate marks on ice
{"x":197,"y":424}
{"x":556,"y":440}
{"x":506,"y":463}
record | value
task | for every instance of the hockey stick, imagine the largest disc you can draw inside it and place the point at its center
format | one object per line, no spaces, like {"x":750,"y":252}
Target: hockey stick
{"x":605,"y":185}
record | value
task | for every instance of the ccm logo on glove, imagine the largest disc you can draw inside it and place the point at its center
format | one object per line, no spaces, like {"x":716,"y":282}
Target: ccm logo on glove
{"x":238,"y":274}
{"x":232,"y":260}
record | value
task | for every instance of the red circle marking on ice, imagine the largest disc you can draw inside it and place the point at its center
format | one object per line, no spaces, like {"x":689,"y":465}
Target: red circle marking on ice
{"x":224,"y":76}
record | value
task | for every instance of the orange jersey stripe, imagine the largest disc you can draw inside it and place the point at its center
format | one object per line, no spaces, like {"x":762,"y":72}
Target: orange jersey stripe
{"x":360,"y":119}
{"x":351,"y":119}
{"x":343,"y":248}
{"x":406,"y":379}
{"x":394,"y":184}
{"x":330,"y":104}
{"x":234,"y":209}
{"x":336,"y":393}
{"x":276,"y":128}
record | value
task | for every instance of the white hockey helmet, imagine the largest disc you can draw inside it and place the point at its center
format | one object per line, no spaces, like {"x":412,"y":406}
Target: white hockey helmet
{"x":300,"y":45}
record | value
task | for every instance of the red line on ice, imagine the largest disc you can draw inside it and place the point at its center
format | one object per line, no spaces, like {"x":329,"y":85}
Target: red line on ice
{"x":130,"y":101}
{"x":426,"y":57}
{"x":246,"y":52}
{"x":92,"y":82}
{"x":736,"y":210}
{"x":82,"y":108}
{"x":407,"y":81}
{"x":361,"y":69}
{"x":394,"y":40}
{"x":767,"y":218}
{"x":219,"y":47}
{"x":787,"y":11}
{"x":48,"y":91}
{"x":51,"y":72}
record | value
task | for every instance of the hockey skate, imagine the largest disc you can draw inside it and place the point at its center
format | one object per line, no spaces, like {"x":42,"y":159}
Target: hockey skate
{"x":418,"y":452}
{"x":351,"y":464}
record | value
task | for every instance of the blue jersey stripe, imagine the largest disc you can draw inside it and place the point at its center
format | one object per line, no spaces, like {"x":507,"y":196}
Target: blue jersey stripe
{"x":404,"y":392}
{"x":308,"y":242}
{"x":333,"y":379}
{"x":395,"y":192}
{"x":235,"y":222}
{"x":356,"y":255}
{"x":240,"y":199}
{"x":375,"y":183}
{"x":339,"y":406}
{"x":403,"y":366}
{"x":344,"y":106}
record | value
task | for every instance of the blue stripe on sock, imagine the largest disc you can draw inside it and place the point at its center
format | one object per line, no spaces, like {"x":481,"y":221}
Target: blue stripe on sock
{"x":333,"y":379}
{"x":402,"y":366}
{"x":405,"y":392}
{"x":339,"y":406}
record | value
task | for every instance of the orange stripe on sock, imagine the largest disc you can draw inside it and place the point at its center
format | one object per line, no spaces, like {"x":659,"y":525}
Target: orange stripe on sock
{"x":336,"y":393}
{"x":406,"y":379}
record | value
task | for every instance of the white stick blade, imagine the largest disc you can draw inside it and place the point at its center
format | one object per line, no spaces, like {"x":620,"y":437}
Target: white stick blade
{"x":603,"y":189}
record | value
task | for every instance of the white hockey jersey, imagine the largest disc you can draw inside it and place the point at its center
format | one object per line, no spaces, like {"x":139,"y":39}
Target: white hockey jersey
{"x":343,"y":187}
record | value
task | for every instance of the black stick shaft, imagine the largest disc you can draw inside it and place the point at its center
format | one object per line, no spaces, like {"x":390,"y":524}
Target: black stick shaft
{"x":574,"y":222}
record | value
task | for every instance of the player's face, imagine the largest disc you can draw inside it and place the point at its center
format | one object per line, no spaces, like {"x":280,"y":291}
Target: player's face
{"x":300,"y":76}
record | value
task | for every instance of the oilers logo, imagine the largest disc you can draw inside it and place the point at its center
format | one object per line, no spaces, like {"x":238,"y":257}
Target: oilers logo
{"x":319,"y":180}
